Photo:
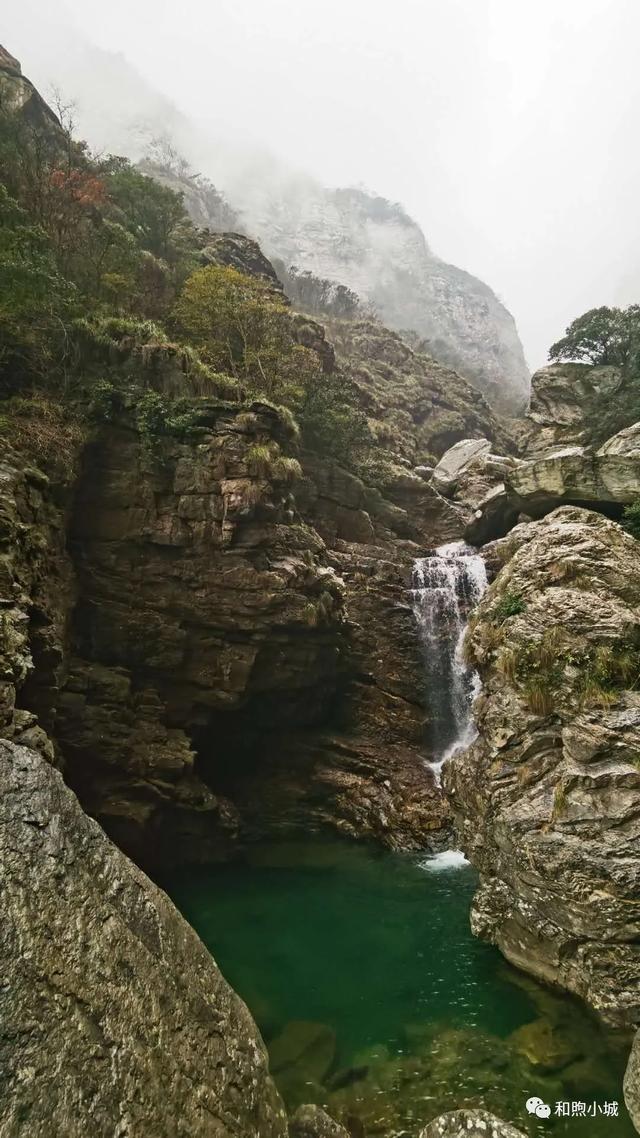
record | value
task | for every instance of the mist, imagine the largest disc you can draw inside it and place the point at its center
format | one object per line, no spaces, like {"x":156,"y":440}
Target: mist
{"x":507,"y":130}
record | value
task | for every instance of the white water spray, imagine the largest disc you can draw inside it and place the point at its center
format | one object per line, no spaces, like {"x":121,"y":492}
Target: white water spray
{"x":446,"y":587}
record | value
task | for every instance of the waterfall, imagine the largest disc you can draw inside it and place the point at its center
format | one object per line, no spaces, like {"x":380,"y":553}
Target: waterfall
{"x":445,"y":588}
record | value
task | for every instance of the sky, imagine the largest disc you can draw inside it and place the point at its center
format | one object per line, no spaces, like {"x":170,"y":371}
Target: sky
{"x":507,"y":128}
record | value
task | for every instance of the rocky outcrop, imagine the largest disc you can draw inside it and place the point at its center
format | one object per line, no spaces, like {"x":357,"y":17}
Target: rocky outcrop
{"x":607,"y":479}
{"x":470,"y":1124}
{"x":114,"y":1017}
{"x":632,"y":1084}
{"x":469,"y":473}
{"x":417,"y":407}
{"x":548,"y":798}
{"x":576,"y":405}
{"x":374,"y":248}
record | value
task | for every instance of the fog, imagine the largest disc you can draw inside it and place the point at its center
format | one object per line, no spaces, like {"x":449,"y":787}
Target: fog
{"x":507,"y":128}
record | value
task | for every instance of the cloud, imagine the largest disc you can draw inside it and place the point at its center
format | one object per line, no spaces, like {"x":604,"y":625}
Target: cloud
{"x":506,"y":129}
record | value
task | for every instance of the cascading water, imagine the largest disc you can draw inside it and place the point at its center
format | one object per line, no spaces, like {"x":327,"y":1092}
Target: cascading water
{"x":445,"y":588}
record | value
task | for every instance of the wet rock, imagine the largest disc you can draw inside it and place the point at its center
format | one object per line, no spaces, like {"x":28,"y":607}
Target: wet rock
{"x":632,"y":1084}
{"x":114,"y":1017}
{"x":312,"y":1122}
{"x":309,"y":1047}
{"x":470,"y":1124}
{"x":547,"y":1046}
{"x":548,"y":798}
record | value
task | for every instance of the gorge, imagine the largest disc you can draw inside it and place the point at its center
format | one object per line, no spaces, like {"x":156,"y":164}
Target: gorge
{"x":289,"y":614}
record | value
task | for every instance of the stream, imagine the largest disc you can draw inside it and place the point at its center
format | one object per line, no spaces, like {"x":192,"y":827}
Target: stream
{"x":360,"y":968}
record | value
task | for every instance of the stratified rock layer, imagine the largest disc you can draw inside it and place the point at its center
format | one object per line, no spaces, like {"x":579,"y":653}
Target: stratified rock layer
{"x":548,"y":798}
{"x":114,"y":1019}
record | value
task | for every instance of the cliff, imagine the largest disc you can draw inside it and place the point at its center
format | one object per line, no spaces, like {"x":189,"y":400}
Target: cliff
{"x":377,"y":250}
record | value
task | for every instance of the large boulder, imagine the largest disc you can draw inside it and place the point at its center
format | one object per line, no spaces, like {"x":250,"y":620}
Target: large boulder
{"x":632,"y":1084}
{"x":609,"y":477}
{"x":114,"y":1018}
{"x":470,"y":1124}
{"x":566,"y":407}
{"x":547,"y":800}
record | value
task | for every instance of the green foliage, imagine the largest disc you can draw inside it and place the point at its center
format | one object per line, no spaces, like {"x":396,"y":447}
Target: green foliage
{"x":631,"y":518}
{"x":510,"y":604}
{"x":34,"y":298}
{"x":240,"y":324}
{"x":330,"y":421}
{"x":97,"y":260}
{"x":602,"y":336}
{"x":266,"y":461}
{"x":317,"y":295}
{"x":547,"y":667}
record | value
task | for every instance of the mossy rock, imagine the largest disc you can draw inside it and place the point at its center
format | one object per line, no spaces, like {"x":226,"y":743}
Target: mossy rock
{"x":306,"y":1046}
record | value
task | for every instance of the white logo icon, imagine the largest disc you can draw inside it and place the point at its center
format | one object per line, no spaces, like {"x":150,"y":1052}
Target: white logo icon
{"x":536,"y":1106}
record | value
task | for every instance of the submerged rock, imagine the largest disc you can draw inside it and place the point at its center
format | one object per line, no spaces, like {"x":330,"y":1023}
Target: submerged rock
{"x":114,"y":1018}
{"x":470,"y":1124}
{"x":548,"y":798}
{"x":312,"y":1122}
{"x":305,"y":1045}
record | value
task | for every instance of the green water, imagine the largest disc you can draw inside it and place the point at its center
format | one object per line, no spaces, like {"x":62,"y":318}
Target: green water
{"x":409,"y":1015}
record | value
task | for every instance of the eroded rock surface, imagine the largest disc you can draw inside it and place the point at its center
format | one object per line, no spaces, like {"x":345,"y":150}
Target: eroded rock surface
{"x":470,"y":1124}
{"x":632,"y":1084}
{"x":114,"y":1017}
{"x":548,"y":798}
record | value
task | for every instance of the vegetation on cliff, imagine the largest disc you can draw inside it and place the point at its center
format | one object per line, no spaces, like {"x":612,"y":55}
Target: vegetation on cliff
{"x":102,"y":273}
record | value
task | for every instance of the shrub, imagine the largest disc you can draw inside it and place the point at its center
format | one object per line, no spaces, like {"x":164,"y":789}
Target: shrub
{"x":510,"y":604}
{"x":631,"y":519}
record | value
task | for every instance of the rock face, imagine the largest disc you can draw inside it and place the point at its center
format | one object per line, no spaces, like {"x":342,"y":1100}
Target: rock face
{"x":576,"y":405}
{"x":373,"y":247}
{"x":632,"y":1084}
{"x":221,"y":647}
{"x":548,"y":798}
{"x":114,"y":1017}
{"x":470,"y":1124}
{"x":607,"y":479}
{"x":574,"y":474}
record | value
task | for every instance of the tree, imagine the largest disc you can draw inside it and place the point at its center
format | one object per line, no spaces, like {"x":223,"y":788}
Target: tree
{"x":602,"y":336}
{"x":240,"y":324}
{"x":34,"y":298}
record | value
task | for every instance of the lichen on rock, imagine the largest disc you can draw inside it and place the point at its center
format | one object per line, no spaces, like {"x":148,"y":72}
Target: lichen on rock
{"x":547,"y":799}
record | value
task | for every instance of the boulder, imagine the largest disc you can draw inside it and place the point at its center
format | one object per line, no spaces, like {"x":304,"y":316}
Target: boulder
{"x":456,"y":462}
{"x":626,"y":442}
{"x":114,"y":1018}
{"x":470,"y":1124}
{"x":632,"y":1084}
{"x":565,"y":401}
{"x":547,"y":800}
{"x":312,"y":1122}
{"x":577,"y":475}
